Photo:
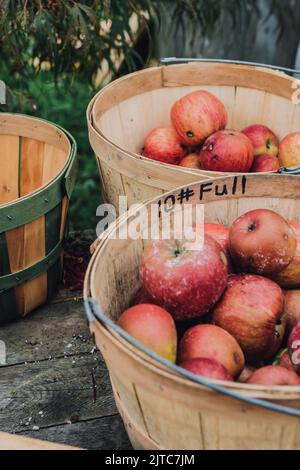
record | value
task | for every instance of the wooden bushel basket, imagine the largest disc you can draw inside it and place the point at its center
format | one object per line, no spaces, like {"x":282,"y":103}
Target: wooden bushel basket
{"x":162,"y":406}
{"x":122,"y":114}
{"x":38,"y":171}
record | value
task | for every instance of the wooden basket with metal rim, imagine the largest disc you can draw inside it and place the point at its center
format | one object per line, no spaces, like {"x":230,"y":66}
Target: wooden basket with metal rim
{"x":37,"y":176}
{"x":163,"y":406}
{"x":122,"y":114}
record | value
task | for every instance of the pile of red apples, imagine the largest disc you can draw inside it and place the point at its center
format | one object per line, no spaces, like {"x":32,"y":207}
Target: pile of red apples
{"x":228,"y":308}
{"x":198,"y":139}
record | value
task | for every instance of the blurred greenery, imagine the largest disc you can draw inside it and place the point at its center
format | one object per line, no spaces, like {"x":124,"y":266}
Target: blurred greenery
{"x":51,"y":54}
{"x":70,"y":37}
{"x":64,"y":104}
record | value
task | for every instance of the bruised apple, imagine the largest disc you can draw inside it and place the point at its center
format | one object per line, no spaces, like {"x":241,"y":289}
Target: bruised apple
{"x":265,"y":163}
{"x":186,"y":278}
{"x":289,"y":150}
{"x":207,"y":367}
{"x":191,"y":161}
{"x":152,"y":326}
{"x":274,"y":375}
{"x":261,"y":241}
{"x":264,"y":140}
{"x":212,"y":342}
{"x":290,"y":276}
{"x":196,"y":116}
{"x":227,"y":151}
{"x":251,"y":311}
{"x":163,"y":144}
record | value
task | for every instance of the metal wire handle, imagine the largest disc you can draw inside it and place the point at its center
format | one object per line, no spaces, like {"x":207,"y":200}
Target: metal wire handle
{"x":185,"y":60}
{"x":93,"y":311}
{"x":290,"y":170}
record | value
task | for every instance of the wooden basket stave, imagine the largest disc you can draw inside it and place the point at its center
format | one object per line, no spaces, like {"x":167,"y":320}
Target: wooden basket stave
{"x":38,"y":170}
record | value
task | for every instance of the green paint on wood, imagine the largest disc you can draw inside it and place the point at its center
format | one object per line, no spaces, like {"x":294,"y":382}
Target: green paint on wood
{"x":52,"y":228}
{"x":8,"y":303}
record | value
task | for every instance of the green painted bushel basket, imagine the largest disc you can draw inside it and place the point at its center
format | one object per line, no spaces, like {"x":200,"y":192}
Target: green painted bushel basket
{"x":38,"y":168}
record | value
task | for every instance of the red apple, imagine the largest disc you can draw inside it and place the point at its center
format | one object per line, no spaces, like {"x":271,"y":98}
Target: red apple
{"x":294,"y":347}
{"x":290,"y":276}
{"x":261,"y":241}
{"x":207,"y":367}
{"x":183,"y":277}
{"x":283,"y":359}
{"x":191,"y":161}
{"x":152,"y":326}
{"x":163,"y":144}
{"x":212,"y":342}
{"x":265,"y":163}
{"x":218,"y":232}
{"x":251,"y":310}
{"x":197,"y":115}
{"x":291,"y":309}
{"x":246,"y":373}
{"x":264,"y":140}
{"x":274,"y":375}
{"x":228,"y":151}
{"x":289,"y":150}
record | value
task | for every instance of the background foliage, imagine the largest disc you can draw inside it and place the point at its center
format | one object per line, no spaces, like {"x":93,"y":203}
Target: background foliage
{"x":54,"y":53}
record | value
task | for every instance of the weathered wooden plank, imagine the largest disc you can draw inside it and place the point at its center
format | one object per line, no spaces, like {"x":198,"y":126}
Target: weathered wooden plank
{"x":54,"y":392}
{"x":54,"y":376}
{"x":55,"y":330}
{"x":13,"y":442}
{"x":65,"y":295}
{"x":106,"y":433}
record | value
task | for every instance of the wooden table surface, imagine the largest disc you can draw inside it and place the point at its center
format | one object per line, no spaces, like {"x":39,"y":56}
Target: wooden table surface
{"x":55,"y":385}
